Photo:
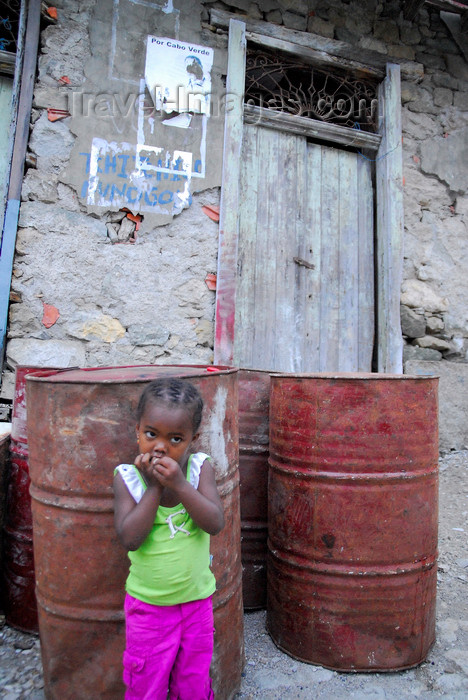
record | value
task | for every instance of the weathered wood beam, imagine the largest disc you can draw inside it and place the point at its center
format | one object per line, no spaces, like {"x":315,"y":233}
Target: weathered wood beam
{"x":411,"y":8}
{"x":316,"y":56}
{"x":229,"y":206}
{"x":448,"y":5}
{"x":324,"y":47}
{"x":389,"y":231}
{"x":303,"y":126}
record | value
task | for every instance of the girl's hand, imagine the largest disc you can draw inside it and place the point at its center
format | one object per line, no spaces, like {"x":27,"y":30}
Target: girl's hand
{"x":168,"y":472}
{"x":144,"y":462}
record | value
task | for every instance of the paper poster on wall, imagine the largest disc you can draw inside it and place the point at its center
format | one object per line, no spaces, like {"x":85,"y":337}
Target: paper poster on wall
{"x":178,"y":75}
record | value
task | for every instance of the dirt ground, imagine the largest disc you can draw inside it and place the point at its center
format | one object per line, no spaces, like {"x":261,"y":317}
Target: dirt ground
{"x":272,"y":675}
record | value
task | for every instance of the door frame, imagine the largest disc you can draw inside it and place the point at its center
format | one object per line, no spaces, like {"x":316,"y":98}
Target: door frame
{"x":388,"y":193}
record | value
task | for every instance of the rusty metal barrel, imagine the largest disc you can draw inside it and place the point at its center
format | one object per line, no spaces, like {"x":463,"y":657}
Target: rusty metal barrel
{"x":353,"y":515}
{"x":254,"y":401}
{"x":18,"y":575}
{"x":81,"y":424}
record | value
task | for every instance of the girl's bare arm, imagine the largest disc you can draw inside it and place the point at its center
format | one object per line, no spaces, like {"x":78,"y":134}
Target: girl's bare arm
{"x":133,"y":521}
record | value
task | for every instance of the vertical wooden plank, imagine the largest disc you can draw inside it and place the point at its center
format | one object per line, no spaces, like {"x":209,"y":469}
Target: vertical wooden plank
{"x":300,"y":279}
{"x":285,"y":326}
{"x":265,"y":252}
{"x":348,"y":271}
{"x":329,"y":298}
{"x":366,"y":316}
{"x":310,"y":289}
{"x":248,"y":216}
{"x":389,"y":234}
{"x":229,"y":206}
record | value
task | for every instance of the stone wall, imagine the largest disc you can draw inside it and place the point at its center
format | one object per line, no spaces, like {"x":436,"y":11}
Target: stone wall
{"x":88,"y":288}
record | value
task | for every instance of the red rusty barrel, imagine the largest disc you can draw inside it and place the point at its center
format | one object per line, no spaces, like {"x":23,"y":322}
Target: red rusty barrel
{"x":19,"y":584}
{"x":254,"y":401}
{"x":353,"y":508}
{"x":81,"y":425}
{"x":5,"y":432}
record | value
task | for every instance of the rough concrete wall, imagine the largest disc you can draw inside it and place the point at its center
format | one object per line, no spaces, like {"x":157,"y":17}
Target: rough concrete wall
{"x":69,"y":258}
{"x":91,"y":285}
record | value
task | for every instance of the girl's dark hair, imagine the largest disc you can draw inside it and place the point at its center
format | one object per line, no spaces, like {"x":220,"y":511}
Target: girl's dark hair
{"x":175,"y":392}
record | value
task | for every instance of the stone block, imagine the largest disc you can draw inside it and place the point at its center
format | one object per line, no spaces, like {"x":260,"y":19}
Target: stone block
{"x":45,"y":353}
{"x":300,"y":7}
{"x":24,"y":239}
{"x":36,"y":186}
{"x":205,"y":332}
{"x":337,"y":16}
{"x":444,"y":80}
{"x":373,"y":44}
{"x":413,"y":352}
{"x":453,"y":400}
{"x":461,"y":206}
{"x":98,"y":326}
{"x":457,"y":66}
{"x":460,"y":101}
{"x":410,"y":34}
{"x":431,"y":61}
{"x":50,"y":96}
{"x":400,"y":51}
{"x":52,"y":143}
{"x":387,"y":30}
{"x":446,"y":158}
{"x":49,"y":218}
{"x":24,"y":321}
{"x":316,"y":25}
{"x":422,"y":102}
{"x":144,"y":334}
{"x":417,"y":125}
{"x":417,"y":294}
{"x":293,"y":21}
{"x":274,"y":16}
{"x":413,"y":324}
{"x":430,"y":341}
{"x":443,"y":97}
{"x":434,"y":324}
{"x":8,"y":385}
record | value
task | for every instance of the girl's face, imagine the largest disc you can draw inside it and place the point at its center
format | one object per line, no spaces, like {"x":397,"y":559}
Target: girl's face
{"x":166,"y":431}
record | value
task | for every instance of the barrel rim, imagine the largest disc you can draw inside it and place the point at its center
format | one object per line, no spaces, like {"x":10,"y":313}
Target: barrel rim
{"x":87,"y":375}
{"x":350,"y":375}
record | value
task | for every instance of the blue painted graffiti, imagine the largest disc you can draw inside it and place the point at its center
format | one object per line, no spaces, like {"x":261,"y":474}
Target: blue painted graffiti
{"x":123,"y":166}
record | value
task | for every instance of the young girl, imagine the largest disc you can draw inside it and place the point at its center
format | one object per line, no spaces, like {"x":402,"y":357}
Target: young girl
{"x":166,"y":508}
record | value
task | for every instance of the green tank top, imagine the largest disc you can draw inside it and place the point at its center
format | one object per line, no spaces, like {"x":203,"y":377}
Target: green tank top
{"x":173,"y":564}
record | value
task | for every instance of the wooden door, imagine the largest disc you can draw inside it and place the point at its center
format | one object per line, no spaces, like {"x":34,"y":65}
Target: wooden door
{"x":297,"y":248}
{"x":305,"y":278}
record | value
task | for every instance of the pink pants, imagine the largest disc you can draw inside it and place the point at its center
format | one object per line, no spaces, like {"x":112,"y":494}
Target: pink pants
{"x":169,"y":650}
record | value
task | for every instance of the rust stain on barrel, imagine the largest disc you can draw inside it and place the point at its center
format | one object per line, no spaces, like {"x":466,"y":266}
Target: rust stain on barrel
{"x":353,"y":496}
